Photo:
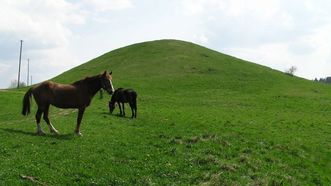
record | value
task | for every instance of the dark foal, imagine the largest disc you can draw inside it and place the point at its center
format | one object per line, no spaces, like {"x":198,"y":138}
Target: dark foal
{"x":76,"y":95}
{"x":122,"y":95}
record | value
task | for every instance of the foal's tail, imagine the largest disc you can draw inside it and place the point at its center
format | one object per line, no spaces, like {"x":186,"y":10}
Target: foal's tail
{"x":26,"y":102}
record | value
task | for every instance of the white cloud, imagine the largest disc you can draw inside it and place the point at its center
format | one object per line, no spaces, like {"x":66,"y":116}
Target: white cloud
{"x":309,"y":53}
{"x":232,"y":8}
{"x":106,"y":5}
{"x":275,"y":33}
{"x":43,"y":24}
{"x":45,"y":28}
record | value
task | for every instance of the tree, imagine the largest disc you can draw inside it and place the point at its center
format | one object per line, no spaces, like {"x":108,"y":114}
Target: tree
{"x":291,"y":71}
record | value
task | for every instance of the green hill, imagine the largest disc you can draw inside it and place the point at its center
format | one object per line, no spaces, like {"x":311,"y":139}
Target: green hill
{"x":204,"y":118}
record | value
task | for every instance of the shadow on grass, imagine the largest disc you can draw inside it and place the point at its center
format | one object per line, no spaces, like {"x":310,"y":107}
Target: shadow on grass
{"x":54,"y":136}
{"x":118,"y":115}
{"x":121,"y":116}
{"x":109,"y":114}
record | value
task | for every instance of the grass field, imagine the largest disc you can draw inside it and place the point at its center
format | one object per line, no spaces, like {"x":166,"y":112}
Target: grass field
{"x":204,"y":118}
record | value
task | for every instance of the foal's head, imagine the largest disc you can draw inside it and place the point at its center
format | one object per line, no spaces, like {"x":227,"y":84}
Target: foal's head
{"x":106,"y":82}
{"x":111,"y":106}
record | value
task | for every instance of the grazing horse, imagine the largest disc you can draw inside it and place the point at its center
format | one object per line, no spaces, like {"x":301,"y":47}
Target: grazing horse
{"x":76,"y":95}
{"x":124,"y":96}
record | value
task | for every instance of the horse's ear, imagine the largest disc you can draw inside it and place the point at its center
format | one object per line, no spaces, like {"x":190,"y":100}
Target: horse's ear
{"x":105,"y":72}
{"x":110,"y":72}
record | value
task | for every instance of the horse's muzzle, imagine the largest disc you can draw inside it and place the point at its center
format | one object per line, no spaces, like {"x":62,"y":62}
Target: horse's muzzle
{"x":110,"y":92}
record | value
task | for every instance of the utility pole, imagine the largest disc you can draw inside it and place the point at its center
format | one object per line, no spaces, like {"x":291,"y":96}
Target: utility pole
{"x":31,"y":80}
{"x":19,"y":66}
{"x":27,"y":80}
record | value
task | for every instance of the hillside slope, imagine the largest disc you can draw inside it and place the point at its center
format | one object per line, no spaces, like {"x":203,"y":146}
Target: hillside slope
{"x":204,"y":118}
{"x":191,"y":66}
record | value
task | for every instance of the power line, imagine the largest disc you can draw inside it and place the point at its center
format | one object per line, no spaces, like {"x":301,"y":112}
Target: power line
{"x":19,"y":66}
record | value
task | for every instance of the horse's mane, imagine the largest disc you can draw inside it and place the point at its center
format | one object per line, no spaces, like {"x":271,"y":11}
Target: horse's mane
{"x":86,"y":80}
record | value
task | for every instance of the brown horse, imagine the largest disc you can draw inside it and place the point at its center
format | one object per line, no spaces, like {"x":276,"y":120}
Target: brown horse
{"x":76,"y":95}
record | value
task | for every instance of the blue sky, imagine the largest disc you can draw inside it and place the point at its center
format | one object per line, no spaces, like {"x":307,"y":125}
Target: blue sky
{"x":61,"y":34}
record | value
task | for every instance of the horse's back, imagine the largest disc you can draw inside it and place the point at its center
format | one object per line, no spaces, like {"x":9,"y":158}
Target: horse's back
{"x":59,"y":95}
{"x":129,"y":95}
{"x":48,"y":87}
{"x":42,"y":88}
{"x":132,"y":93}
{"x":42,"y":92}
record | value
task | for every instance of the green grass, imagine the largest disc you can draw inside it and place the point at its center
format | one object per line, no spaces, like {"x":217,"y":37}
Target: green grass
{"x":204,"y":118}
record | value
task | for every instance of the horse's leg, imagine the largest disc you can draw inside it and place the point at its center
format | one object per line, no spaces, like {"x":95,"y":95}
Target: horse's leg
{"x":119,"y":105}
{"x":38,"y":117}
{"x":79,"y":120}
{"x":135,"y":108}
{"x":123,"y":109}
{"x":45,"y":116}
{"x":132,"y":112}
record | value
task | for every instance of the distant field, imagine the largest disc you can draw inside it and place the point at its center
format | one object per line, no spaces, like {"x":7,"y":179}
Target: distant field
{"x":204,"y":118}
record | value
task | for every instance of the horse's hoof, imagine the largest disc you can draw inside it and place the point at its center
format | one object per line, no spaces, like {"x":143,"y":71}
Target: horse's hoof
{"x":40,"y":133}
{"x":79,"y":134}
{"x":55,"y":132}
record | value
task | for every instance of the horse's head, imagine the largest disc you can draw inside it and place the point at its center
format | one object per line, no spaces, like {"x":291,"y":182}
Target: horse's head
{"x":106,"y":82}
{"x":111,"y":107}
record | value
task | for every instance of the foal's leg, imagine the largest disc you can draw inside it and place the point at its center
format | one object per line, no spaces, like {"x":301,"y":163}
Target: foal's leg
{"x":38,"y":117}
{"x":135,"y":107}
{"x":123,"y":109}
{"x":45,"y":116}
{"x":132,"y":111}
{"x":119,"y":105}
{"x":79,"y":120}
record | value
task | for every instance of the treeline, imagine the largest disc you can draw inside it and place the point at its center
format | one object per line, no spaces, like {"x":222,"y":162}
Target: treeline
{"x":13,"y":84}
{"x":323,"y":80}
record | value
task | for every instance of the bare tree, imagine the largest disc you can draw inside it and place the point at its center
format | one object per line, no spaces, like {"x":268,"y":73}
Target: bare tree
{"x":291,"y":71}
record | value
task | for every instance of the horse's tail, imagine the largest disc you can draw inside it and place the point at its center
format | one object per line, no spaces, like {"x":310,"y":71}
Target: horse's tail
{"x":26,"y":102}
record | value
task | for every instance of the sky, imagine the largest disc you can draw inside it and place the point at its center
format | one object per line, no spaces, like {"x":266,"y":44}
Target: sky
{"x":60,"y":34}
